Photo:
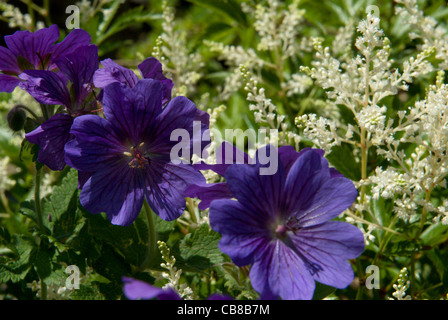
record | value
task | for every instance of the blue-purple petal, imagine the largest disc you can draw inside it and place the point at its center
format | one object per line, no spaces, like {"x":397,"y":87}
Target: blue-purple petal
{"x":243,"y":232}
{"x":75,"y":39}
{"x":165,"y":188}
{"x":79,"y":67}
{"x":8,"y":83}
{"x":333,"y":197}
{"x":328,"y":246}
{"x":51,"y":137}
{"x":244,"y":182}
{"x":46,"y":87}
{"x":208,"y":193}
{"x":151,"y":68}
{"x":135,"y":289}
{"x":133,"y":110}
{"x":34,"y":47}
{"x":117,"y":192}
{"x":281,"y":272}
{"x":113,"y":72}
{"x":96,"y":146}
{"x":8,"y":61}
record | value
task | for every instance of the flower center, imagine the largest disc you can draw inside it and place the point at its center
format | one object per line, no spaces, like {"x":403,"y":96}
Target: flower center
{"x":281,"y":229}
{"x":139,"y":159}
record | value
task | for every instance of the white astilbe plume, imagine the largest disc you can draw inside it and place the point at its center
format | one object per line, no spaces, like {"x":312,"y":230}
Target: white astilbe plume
{"x":171,"y":49}
{"x":402,"y":285}
{"x":427,"y":29}
{"x":173,"y":275}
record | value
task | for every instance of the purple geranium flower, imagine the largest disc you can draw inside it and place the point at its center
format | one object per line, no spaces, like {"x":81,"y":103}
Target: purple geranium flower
{"x":128,"y":154}
{"x":227,"y":155}
{"x":71,"y":87}
{"x":150,"y":68}
{"x":139,"y":290}
{"x":35,"y":51}
{"x":280,"y":225}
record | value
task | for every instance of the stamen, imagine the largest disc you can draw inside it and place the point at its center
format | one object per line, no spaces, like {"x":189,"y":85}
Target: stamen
{"x":138,"y":158}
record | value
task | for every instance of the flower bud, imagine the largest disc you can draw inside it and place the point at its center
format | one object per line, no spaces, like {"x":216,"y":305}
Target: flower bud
{"x":16,"y":118}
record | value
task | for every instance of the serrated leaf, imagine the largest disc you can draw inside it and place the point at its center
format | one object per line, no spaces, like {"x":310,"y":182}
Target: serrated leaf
{"x":16,"y":270}
{"x":200,"y":248}
{"x":87,"y":292}
{"x":62,"y":207}
{"x":111,"y":265}
{"x":28,"y":208}
{"x":42,"y":262}
{"x":129,"y":241}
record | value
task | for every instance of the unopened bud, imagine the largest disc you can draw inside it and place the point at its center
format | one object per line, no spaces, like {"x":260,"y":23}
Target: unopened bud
{"x":16,"y":118}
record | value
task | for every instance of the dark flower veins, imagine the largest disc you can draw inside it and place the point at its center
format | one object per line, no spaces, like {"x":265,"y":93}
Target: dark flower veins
{"x":282,"y":225}
{"x":127,"y":153}
{"x":35,"y":51}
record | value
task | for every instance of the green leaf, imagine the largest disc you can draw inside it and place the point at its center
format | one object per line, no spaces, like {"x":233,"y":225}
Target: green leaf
{"x":16,"y":270}
{"x":62,"y":208}
{"x":129,"y":241}
{"x":341,"y":157}
{"x":87,"y":292}
{"x":130,"y":17}
{"x":229,"y":8}
{"x":111,"y":265}
{"x":435,"y":257}
{"x":403,"y":248}
{"x":28,"y":209}
{"x":43,"y":262}
{"x":322,"y":291}
{"x":382,"y":211}
{"x":199,"y":249}
{"x":434,"y":234}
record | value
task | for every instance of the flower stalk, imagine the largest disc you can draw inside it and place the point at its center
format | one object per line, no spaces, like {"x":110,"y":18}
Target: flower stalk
{"x":151,"y":240}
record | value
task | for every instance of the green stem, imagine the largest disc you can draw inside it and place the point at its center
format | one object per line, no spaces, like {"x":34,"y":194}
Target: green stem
{"x":364,"y":155}
{"x":417,"y":236}
{"x":43,"y":290}
{"x":190,"y":206}
{"x":30,"y":5}
{"x":28,"y":110}
{"x":361,"y":276}
{"x":37,"y":179}
{"x":37,"y":203}
{"x":44,"y":110}
{"x":152,"y":245}
{"x":47,"y":12}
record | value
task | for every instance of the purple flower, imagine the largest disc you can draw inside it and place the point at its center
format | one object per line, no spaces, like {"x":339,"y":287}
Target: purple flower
{"x":150,"y":68}
{"x":35,"y":51}
{"x":280,"y":225}
{"x":70,"y":87}
{"x":139,"y":290}
{"x":135,"y":289}
{"x":227,"y":155}
{"x":128,"y":153}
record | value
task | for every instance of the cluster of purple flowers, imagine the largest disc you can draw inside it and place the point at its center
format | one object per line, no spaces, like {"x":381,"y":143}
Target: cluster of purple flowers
{"x":280,"y":224}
